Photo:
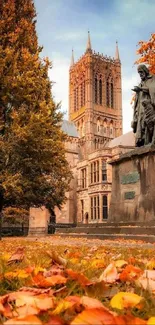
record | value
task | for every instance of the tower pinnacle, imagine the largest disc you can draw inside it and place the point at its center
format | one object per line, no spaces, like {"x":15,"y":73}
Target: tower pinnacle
{"x":88,"y":48}
{"x":117,"y":52}
{"x":72,"y":59}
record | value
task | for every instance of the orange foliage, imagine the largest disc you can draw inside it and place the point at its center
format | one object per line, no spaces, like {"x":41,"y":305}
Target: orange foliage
{"x":147,"y":53}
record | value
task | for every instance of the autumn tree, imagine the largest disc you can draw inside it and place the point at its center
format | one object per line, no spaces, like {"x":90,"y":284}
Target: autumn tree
{"x":33,"y":168}
{"x":147,"y":53}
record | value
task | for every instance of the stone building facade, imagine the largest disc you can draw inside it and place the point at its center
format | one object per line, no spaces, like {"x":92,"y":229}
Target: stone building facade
{"x":95,"y":115}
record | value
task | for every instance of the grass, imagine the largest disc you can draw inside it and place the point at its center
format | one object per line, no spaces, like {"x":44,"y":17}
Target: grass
{"x":82,"y":260}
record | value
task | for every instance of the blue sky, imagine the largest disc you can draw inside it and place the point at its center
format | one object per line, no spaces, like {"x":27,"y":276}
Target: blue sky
{"x":63,"y":25}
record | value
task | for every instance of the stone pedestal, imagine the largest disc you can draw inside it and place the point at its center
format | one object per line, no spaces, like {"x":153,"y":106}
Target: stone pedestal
{"x":133,"y":186}
{"x":38,"y":221}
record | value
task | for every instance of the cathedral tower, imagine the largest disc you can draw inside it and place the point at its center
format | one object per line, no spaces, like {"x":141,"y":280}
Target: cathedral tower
{"x":95,"y":97}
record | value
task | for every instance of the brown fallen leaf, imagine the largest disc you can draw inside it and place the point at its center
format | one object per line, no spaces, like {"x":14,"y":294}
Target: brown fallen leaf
{"x":17,"y":256}
{"x":56,"y":258}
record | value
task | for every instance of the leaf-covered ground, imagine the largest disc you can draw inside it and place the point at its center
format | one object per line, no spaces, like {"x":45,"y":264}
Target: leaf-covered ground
{"x":65,"y":281}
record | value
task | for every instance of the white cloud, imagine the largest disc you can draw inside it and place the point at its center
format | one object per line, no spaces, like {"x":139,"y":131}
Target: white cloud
{"x":59,"y":74}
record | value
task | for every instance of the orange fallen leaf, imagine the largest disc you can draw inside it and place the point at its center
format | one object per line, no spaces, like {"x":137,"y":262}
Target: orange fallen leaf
{"x":81,"y":278}
{"x":95,"y":316}
{"x":28,"y":320}
{"x":110,"y":274}
{"x":88,"y":302}
{"x":47,"y":282}
{"x":130,"y":273}
{"x":42,"y":302}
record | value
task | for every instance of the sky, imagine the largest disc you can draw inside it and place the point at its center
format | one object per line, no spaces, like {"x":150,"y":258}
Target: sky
{"x":64,"y":24}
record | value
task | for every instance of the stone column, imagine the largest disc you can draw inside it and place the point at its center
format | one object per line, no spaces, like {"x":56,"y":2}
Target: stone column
{"x":38,"y":221}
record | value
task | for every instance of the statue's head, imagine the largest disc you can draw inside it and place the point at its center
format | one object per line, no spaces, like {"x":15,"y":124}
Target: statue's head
{"x":143,"y":71}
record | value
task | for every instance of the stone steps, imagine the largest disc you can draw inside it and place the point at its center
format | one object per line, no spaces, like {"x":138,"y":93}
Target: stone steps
{"x":115,"y":230}
{"x":145,"y":238}
{"x":131,"y":230}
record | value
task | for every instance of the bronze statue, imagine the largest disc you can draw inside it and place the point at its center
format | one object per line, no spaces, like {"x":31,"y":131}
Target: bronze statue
{"x":143,"y":123}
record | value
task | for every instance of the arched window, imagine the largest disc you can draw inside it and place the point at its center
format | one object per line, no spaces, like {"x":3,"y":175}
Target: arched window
{"x":74,"y":99}
{"x":84,"y":94}
{"x":100,"y":91}
{"x":107,"y":93}
{"x":112,"y":95}
{"x":77,"y":98}
{"x":98,"y":126}
{"x":105,"y":127}
{"x":96,"y":90}
{"x":111,"y":130}
{"x":81,"y":90}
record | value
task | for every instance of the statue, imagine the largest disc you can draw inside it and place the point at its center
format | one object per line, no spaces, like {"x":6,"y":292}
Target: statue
{"x":143,"y":123}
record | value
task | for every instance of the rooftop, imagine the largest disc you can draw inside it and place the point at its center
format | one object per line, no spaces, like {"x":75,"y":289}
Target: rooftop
{"x":126,"y":140}
{"x":70,"y":129}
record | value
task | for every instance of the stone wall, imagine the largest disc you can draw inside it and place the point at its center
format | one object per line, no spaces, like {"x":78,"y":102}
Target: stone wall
{"x":133,"y":186}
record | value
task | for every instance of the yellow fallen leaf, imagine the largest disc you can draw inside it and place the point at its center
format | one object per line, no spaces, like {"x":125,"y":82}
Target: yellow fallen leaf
{"x":150,"y":265}
{"x":62,"y":306}
{"x":151,"y":321}
{"x":74,"y":260}
{"x":38,"y":269}
{"x":120,"y":263}
{"x":125,"y":300}
{"x":97,"y":263}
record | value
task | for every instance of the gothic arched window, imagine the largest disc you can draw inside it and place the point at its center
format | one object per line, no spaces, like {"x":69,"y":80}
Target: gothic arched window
{"x":77,"y":98}
{"x":107,"y":94}
{"x":81,"y":90}
{"x":100,"y":91}
{"x":96,"y":90}
{"x":84,"y":94}
{"x":112,"y":95}
{"x":74,"y":99}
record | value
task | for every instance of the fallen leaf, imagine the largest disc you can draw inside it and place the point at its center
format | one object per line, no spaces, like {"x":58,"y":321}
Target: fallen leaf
{"x":110,"y":274}
{"x":28,"y":320}
{"x":130,"y":273}
{"x":146,"y":284}
{"x":151,"y":321}
{"x":17,"y":256}
{"x":47,"y":282}
{"x":95,"y":316}
{"x":97,"y":263}
{"x":79,"y":277}
{"x":56,"y":258}
{"x":150,"y":274}
{"x":88,"y":302}
{"x":126,"y":300}
{"x":120,"y":263}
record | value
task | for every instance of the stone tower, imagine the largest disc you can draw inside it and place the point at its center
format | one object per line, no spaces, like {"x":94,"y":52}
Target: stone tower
{"x":95,"y":98}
